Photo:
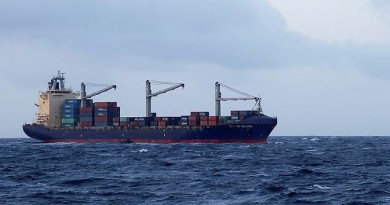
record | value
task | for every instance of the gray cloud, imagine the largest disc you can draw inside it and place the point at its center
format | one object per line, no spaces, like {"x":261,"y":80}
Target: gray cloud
{"x":236,"y":34}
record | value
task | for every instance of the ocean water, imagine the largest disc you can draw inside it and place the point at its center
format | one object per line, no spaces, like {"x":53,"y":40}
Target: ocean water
{"x":287,"y":170}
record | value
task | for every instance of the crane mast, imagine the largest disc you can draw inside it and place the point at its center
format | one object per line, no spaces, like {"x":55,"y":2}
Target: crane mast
{"x":218,"y":98}
{"x":149,"y":93}
{"x":84,"y":96}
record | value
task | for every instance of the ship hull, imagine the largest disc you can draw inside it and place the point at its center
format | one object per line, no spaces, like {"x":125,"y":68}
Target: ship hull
{"x":255,"y":129}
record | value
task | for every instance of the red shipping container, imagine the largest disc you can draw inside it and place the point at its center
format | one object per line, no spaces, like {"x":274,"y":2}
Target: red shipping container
{"x":204,"y":123}
{"x":213,"y":123}
{"x":193,"y":123}
{"x":116,"y":119}
{"x":103,"y":119}
{"x":105,"y":104}
{"x":213,"y":118}
{"x":134,"y":123}
{"x":194,"y":114}
{"x":162,"y":123}
{"x":194,"y":118}
{"x":85,"y":124}
{"x":204,"y":118}
{"x":157,"y":119}
{"x":86,"y":109}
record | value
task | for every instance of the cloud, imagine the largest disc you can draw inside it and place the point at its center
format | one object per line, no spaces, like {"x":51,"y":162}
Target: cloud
{"x":362,"y":21}
{"x":245,"y":44}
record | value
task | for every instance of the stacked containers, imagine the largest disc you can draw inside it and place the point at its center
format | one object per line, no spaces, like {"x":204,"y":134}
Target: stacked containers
{"x":70,"y":112}
{"x":224,"y":119}
{"x":194,"y":119}
{"x":86,"y":117}
{"x":239,"y":115}
{"x":199,"y":118}
{"x":142,"y":121}
{"x":204,"y":120}
{"x":213,"y":120}
{"x":105,"y":112}
{"x":184,"y":121}
{"x":125,"y":121}
{"x":86,"y":114}
{"x":235,"y":115}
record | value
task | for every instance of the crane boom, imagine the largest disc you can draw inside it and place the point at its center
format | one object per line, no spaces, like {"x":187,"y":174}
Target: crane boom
{"x":218,"y":98}
{"x":84,"y":96}
{"x":101,"y":91}
{"x":166,"y":90}
{"x":149,"y":94}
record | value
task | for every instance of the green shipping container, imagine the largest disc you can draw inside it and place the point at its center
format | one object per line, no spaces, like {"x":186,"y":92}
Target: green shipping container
{"x":69,"y":120}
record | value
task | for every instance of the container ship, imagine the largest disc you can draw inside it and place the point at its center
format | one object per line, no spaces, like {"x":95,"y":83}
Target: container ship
{"x":67,"y":116}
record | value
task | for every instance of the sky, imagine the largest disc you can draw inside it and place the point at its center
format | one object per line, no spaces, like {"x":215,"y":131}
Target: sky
{"x":321,"y":66}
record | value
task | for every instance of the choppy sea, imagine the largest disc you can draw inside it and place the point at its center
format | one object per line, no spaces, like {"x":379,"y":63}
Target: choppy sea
{"x":287,"y":170}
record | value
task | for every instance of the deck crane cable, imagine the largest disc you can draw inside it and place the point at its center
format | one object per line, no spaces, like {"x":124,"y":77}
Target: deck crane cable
{"x":237,"y":91}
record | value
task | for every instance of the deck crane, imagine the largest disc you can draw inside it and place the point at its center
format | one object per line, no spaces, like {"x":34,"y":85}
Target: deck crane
{"x":218,"y":98}
{"x":84,"y":96}
{"x":149,"y":93}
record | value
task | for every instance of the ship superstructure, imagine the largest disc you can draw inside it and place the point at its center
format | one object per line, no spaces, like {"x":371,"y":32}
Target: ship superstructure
{"x":51,"y":100}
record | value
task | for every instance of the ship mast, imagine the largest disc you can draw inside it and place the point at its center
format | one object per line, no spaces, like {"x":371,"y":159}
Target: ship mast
{"x":218,"y":98}
{"x":57,"y":83}
{"x":149,"y":93}
{"x":84,"y":96}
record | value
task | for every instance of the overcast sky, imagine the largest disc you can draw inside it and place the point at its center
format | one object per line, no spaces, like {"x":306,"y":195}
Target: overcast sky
{"x":321,"y":66}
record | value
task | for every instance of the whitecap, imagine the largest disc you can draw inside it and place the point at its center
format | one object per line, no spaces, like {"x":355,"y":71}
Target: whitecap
{"x":143,"y":150}
{"x":320,"y":187}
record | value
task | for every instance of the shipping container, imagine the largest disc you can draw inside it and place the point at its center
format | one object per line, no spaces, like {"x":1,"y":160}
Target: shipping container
{"x":86,"y":109}
{"x":213,"y":123}
{"x":204,"y":118}
{"x":154,"y":123}
{"x":162,"y":123}
{"x":72,"y":101}
{"x":134,"y":123}
{"x":184,"y":120}
{"x":103,"y":119}
{"x":70,"y":115}
{"x":234,"y":118}
{"x":213,"y":118}
{"x":86,"y":119}
{"x":125,"y":119}
{"x":204,"y":123}
{"x":69,"y":124}
{"x":194,"y":123}
{"x":199,"y":113}
{"x":103,"y":124}
{"x":69,"y":120}
{"x":105,"y":104}
{"x":85,"y":124}
{"x":224,"y":118}
{"x":86,"y":114}
{"x":70,"y":110}
{"x":234,"y":113}
{"x":70,"y":106}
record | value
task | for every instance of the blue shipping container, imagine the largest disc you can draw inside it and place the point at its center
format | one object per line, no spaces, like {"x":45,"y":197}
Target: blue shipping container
{"x":70,"y":115}
{"x":70,"y":111}
{"x":86,"y":119}
{"x":86,"y":114}
{"x":72,"y":101}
